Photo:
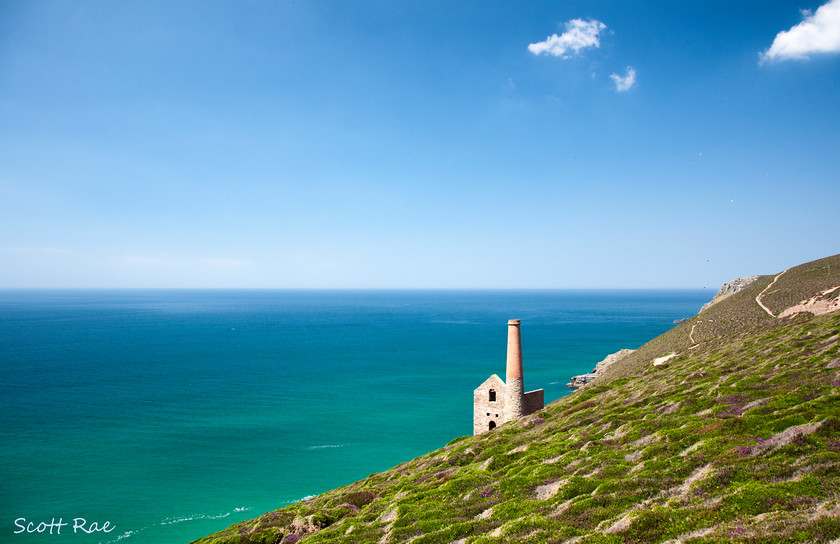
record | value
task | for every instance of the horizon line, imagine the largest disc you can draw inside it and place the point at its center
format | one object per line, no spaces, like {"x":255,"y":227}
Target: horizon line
{"x":88,"y":288}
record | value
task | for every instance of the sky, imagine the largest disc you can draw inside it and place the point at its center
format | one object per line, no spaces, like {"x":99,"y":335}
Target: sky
{"x":416,"y":144}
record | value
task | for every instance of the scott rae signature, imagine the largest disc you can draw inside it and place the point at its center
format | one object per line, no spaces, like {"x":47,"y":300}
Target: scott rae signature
{"x":80,"y":525}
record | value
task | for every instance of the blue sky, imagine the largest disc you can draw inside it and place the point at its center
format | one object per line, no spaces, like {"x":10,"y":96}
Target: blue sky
{"x":416,"y":144}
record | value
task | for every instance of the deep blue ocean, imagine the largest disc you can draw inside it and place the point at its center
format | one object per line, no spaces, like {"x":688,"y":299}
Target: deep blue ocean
{"x":171,"y":414}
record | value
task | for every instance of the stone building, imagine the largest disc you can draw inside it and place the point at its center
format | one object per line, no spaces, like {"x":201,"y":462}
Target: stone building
{"x":495,"y":401}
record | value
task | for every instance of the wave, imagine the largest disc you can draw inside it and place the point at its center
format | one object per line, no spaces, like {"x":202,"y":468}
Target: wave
{"x":181,"y":519}
{"x":173,"y":521}
{"x":127,"y":534}
{"x":326,"y":446}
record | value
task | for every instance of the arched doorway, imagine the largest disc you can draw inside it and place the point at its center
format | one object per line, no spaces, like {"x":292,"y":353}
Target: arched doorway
{"x":492,"y":425}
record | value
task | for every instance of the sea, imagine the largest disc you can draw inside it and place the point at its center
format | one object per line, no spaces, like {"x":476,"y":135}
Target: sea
{"x":151,"y":416}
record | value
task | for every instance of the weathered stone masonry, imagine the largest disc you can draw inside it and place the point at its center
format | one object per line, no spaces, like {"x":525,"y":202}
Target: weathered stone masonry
{"x":496,"y":402}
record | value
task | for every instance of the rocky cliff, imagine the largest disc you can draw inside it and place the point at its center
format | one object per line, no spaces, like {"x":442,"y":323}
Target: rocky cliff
{"x":583,"y":379}
{"x":727,"y":289}
{"x":730,"y":288}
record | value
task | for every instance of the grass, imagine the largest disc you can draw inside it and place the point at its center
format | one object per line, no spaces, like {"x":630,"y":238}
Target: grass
{"x":736,"y":439}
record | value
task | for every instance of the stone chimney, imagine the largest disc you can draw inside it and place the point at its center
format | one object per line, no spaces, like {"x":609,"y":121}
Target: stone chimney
{"x":515,"y":384}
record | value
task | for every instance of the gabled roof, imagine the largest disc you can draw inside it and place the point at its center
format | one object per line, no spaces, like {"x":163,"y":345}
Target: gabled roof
{"x":491,"y":382}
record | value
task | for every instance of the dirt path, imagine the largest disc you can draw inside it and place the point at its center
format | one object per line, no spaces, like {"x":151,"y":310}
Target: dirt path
{"x":758,"y":296}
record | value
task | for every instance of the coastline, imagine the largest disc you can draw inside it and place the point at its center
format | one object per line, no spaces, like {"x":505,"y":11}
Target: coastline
{"x":159,"y":380}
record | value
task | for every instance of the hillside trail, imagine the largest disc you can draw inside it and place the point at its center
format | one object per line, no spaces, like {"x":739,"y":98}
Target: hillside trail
{"x":757,"y":301}
{"x":758,"y":296}
{"x":691,"y":335}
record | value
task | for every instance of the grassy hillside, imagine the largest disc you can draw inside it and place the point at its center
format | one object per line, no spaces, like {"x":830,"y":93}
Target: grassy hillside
{"x":736,"y":438}
{"x":736,"y":315}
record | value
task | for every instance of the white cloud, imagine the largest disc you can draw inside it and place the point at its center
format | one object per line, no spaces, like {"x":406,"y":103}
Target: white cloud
{"x":624,"y":83}
{"x":817,"y":33}
{"x":579,"y":34}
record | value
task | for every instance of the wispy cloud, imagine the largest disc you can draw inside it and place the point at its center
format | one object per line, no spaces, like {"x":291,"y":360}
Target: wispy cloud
{"x":145,"y":260}
{"x":579,"y":35}
{"x":819,"y":32}
{"x":624,"y":83}
{"x":226,"y":263}
{"x":42,"y":250}
{"x":168,"y":260}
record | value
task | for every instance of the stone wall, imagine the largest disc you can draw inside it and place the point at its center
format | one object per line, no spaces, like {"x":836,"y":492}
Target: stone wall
{"x":485,"y":410}
{"x":534,"y":401}
{"x":515,"y":398}
{"x":497,"y":411}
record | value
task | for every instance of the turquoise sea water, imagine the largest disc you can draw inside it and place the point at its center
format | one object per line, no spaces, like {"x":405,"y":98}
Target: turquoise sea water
{"x":172,"y":414}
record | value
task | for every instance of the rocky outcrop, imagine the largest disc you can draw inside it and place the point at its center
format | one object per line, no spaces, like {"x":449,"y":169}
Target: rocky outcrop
{"x":730,"y":288}
{"x":823,"y":303}
{"x":583,"y":379}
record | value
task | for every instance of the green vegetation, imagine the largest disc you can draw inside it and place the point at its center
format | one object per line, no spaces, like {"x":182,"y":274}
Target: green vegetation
{"x":735,"y":439}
